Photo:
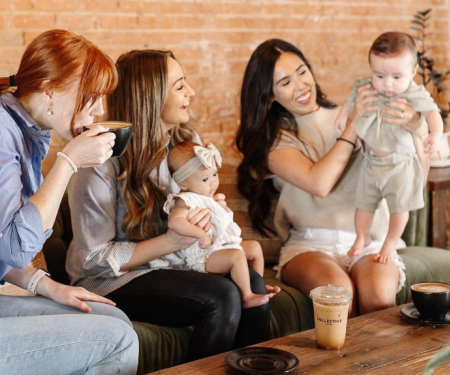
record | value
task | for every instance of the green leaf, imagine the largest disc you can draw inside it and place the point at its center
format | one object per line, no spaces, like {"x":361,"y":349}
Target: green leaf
{"x":417,"y":22}
{"x":439,"y":358}
{"x":425,"y":12}
{"x":416,"y":29}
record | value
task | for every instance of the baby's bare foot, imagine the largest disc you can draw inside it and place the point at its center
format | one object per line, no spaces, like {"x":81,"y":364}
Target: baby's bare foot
{"x":359,"y":245}
{"x":273,"y":289}
{"x":386,"y":254}
{"x":254,"y":300}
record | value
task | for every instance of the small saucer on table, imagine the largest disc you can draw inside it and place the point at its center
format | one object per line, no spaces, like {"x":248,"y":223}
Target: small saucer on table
{"x":261,"y":360}
{"x":410,"y":311}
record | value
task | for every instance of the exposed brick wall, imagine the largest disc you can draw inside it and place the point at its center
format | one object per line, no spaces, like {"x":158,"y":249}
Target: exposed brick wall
{"x":213,"y":39}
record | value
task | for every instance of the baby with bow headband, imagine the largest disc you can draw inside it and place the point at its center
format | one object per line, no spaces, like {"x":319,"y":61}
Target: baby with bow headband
{"x":220,"y":250}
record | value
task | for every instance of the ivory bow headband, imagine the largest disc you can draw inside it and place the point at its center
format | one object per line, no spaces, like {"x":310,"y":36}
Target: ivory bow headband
{"x":207,"y":156}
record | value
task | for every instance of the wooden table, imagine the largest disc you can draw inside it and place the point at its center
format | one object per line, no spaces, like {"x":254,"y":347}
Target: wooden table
{"x":383,"y":342}
{"x":439,"y":188}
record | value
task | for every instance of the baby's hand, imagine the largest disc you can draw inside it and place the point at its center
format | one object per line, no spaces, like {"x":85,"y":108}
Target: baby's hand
{"x":204,"y":242}
{"x":431,"y":145}
{"x":220,"y":198}
{"x":340,"y":123}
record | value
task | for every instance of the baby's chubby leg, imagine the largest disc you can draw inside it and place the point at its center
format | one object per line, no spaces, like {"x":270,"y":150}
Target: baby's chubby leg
{"x":234,"y":261}
{"x":254,"y":255}
{"x":397,"y":224}
{"x":363,"y":222}
{"x":255,"y":258}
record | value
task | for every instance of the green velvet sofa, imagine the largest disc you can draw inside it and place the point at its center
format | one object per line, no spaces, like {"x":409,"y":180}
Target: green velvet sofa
{"x":291,"y":311}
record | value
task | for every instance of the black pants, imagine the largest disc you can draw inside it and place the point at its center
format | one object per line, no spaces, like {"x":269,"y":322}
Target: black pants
{"x":209,"y":302}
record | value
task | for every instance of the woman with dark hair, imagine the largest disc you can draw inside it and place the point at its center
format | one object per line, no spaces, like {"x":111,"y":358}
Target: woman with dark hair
{"x":125,"y":228}
{"x":289,"y":145}
{"x":59,"y":85}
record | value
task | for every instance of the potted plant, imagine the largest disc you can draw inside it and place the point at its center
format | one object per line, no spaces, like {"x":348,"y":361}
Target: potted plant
{"x":432,"y":78}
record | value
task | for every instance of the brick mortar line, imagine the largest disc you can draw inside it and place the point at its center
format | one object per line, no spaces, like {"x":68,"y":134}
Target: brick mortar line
{"x":330,"y":31}
{"x":218,"y":15}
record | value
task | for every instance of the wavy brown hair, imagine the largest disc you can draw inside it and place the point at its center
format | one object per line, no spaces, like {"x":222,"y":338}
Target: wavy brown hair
{"x":261,"y":124}
{"x":57,"y":58}
{"x":394,"y":43}
{"x":139,"y":98}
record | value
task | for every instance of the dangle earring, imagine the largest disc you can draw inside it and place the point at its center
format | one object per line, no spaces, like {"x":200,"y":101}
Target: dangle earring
{"x":50,"y":110}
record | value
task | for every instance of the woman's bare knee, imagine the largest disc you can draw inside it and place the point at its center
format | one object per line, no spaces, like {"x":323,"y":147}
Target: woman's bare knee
{"x":309,"y":270}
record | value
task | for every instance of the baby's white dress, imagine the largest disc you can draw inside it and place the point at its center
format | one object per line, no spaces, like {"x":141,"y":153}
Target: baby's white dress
{"x":224,"y":233}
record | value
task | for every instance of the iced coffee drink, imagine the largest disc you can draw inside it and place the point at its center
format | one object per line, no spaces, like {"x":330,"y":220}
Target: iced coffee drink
{"x":330,"y":315}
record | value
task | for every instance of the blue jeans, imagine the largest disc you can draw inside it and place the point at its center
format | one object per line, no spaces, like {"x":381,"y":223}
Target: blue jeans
{"x":40,"y":336}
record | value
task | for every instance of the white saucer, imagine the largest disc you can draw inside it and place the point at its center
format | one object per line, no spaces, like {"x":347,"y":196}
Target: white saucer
{"x":436,"y":163}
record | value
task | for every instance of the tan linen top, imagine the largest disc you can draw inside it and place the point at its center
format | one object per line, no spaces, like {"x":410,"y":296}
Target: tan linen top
{"x":298,"y":209}
{"x":380,"y":135}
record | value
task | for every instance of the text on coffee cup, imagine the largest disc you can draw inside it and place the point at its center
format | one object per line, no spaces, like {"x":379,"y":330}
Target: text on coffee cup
{"x":328,"y":321}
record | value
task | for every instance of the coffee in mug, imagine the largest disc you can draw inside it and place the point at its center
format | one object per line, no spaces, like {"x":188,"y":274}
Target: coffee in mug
{"x":431,"y":287}
{"x":122,"y":130}
{"x":432,"y":300}
{"x":331,"y":304}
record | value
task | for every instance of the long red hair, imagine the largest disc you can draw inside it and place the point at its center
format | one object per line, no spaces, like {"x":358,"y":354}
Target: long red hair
{"x":57,"y":58}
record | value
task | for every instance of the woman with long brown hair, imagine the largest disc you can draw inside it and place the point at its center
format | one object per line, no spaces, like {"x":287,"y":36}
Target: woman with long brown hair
{"x":59,"y":85}
{"x":126,"y":226}
{"x":285,"y":116}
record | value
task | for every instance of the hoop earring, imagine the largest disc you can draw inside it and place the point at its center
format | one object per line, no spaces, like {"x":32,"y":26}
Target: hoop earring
{"x":50,"y":110}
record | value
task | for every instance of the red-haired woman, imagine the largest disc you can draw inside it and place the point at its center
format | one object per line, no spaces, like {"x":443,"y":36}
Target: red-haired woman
{"x":59,"y":85}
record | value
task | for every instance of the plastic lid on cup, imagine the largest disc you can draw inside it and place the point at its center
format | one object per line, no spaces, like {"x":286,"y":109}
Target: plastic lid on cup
{"x":331,"y":294}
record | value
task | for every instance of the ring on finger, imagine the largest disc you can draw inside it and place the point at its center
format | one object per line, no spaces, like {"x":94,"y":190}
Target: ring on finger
{"x":365,"y":110}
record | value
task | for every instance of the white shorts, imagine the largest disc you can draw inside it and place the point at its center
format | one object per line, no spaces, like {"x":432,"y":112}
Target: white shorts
{"x":335,"y":243}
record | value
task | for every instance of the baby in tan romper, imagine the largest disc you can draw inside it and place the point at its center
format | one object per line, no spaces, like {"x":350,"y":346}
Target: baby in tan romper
{"x":391,"y":168}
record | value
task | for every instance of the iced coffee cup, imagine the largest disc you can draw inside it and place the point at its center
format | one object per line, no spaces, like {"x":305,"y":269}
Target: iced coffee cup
{"x":330,"y":315}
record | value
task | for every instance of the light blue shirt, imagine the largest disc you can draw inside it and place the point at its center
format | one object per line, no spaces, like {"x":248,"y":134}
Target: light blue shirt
{"x":23,"y":146}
